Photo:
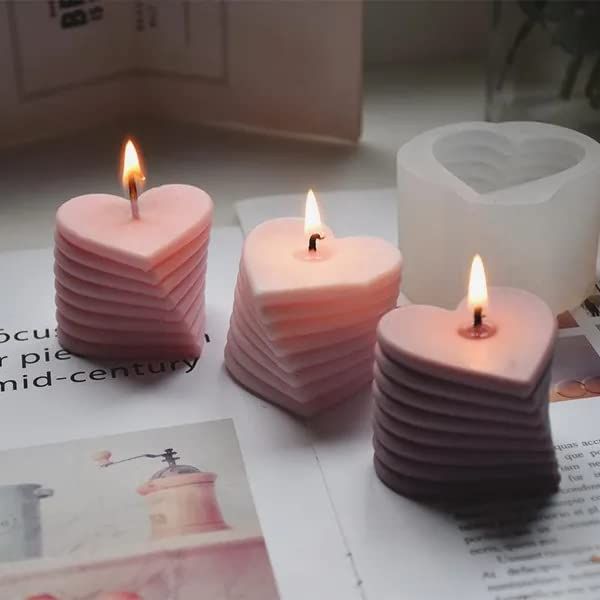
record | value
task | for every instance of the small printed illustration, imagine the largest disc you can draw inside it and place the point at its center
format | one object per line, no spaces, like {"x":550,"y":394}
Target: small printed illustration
{"x":164,"y":514}
{"x":576,"y":366}
{"x":181,"y":499}
{"x":576,"y":371}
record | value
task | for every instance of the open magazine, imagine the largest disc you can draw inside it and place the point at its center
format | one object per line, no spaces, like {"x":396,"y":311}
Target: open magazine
{"x":178,"y":521}
{"x":326,"y":524}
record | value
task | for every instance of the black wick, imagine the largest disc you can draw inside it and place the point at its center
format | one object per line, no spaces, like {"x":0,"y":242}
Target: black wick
{"x":312,"y":242}
{"x":478,"y":317}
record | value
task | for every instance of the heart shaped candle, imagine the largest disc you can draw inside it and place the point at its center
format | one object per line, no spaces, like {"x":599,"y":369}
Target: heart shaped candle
{"x":524,"y":195}
{"x":305,"y":312}
{"x":460,"y":379}
{"x":130,"y":279}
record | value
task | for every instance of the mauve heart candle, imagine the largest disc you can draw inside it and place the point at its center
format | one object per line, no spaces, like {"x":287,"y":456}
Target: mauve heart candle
{"x":476,"y":377}
{"x":130,"y":276}
{"x":305,"y":312}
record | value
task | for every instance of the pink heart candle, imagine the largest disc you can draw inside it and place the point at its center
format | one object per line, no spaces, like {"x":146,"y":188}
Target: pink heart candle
{"x":305,"y":312}
{"x":466,"y":380}
{"x":130,"y":276}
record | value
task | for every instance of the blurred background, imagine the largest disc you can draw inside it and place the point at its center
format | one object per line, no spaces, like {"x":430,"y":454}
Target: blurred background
{"x":251,"y":98}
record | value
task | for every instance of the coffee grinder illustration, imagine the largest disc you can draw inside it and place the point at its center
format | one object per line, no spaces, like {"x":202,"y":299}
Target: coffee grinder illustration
{"x":181,"y":498}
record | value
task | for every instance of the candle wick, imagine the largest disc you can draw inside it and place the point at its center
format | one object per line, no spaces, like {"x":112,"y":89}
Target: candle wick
{"x":312,"y":242}
{"x":133,"y":197}
{"x":477,"y":317}
{"x":478,"y":329}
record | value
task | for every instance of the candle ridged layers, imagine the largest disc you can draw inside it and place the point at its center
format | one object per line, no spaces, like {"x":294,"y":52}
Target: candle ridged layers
{"x":302,"y":331}
{"x":456,"y":417}
{"x":133,"y":288}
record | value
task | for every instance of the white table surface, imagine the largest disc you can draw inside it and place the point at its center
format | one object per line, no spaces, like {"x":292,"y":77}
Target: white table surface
{"x":399,"y":102}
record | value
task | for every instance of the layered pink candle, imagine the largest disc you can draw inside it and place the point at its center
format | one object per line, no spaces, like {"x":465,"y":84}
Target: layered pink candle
{"x":130,"y":275}
{"x":302,"y":331}
{"x":461,"y":397}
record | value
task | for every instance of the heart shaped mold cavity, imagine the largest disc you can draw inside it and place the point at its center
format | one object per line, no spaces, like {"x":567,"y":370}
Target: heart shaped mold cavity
{"x":488,"y":161}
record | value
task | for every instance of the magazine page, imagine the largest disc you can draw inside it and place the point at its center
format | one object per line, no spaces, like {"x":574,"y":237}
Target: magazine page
{"x":52,"y":397}
{"x":540,"y":548}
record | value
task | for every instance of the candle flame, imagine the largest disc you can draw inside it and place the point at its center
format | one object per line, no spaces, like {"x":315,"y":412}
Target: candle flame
{"x":477,"y":296}
{"x":131,"y":165}
{"x":312,"y":217}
